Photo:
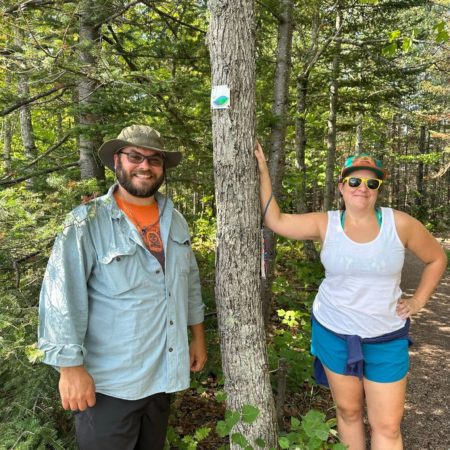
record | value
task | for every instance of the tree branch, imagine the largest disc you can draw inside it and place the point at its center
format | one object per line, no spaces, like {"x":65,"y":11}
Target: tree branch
{"x":27,"y":101}
{"x":168,"y":16}
{"x":117,"y":14}
{"x":47,"y":152}
{"x":32,"y":4}
{"x":8,"y":183}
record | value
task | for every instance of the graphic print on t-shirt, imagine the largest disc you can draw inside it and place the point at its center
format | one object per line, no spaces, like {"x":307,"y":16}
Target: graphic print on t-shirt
{"x":146,"y":220}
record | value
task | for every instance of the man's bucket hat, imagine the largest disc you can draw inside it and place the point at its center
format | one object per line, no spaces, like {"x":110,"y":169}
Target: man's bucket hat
{"x":363,"y":161}
{"x":138,"y":136}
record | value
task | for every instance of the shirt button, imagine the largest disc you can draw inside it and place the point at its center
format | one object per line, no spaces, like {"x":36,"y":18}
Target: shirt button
{"x":171,"y":322}
{"x":158,"y":271}
{"x":170,"y":294}
{"x":170,"y":349}
{"x":118,"y":258}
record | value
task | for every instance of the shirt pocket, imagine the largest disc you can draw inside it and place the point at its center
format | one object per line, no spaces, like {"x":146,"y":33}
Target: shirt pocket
{"x":118,"y":269}
{"x":181,"y":250}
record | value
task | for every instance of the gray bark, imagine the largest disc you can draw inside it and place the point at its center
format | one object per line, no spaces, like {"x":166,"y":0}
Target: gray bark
{"x":277,"y":137}
{"x":231,"y":40}
{"x":359,"y":134}
{"x":330,"y":185}
{"x":7,"y":138}
{"x":89,"y":139}
{"x":300,"y":148}
{"x":26,"y":124}
{"x":300,"y":140}
{"x":420,"y":170}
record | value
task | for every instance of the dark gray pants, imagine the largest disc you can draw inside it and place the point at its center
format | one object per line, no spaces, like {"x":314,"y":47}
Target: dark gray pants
{"x":116,"y":424}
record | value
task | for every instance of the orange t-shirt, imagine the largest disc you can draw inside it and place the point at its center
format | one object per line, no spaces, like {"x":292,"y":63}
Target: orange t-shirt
{"x":146,"y":219}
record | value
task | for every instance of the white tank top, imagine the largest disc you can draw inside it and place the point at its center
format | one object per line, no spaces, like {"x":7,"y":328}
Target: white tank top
{"x":362,"y":281}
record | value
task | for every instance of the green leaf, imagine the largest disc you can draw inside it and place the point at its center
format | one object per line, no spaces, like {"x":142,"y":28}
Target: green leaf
{"x":442,"y":37}
{"x":202,"y":433}
{"x":249,"y":413}
{"x":394,"y":35}
{"x":33,"y":353}
{"x":390,"y":49}
{"x":440,"y":26}
{"x":261,"y":443}
{"x":232,"y":418}
{"x":406,"y":44}
{"x":221,"y":396}
{"x":322,"y":434}
{"x":339,"y":447}
{"x":239,"y":439}
{"x":222,"y":428}
{"x":295,"y":423}
{"x":283,"y":442}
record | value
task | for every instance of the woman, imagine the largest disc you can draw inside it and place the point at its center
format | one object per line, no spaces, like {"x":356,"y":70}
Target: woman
{"x":360,"y":321}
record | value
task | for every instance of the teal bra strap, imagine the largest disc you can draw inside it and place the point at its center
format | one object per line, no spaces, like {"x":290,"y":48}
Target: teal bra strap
{"x":377,"y":213}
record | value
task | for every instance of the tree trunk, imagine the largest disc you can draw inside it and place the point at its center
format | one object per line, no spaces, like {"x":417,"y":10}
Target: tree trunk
{"x":231,"y":40}
{"x":330,"y":185}
{"x":420,"y":173}
{"x":7,"y":139}
{"x":26,"y":124}
{"x":300,"y":140}
{"x":300,"y":148}
{"x":89,"y":139}
{"x":277,"y":139}
{"x":359,"y":134}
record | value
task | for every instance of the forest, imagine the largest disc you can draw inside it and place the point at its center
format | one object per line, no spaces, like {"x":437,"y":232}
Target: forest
{"x":331,"y":78}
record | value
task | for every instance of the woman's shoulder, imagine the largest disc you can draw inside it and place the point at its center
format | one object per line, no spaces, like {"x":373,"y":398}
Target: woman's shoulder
{"x":403,"y":219}
{"x":409,"y":227}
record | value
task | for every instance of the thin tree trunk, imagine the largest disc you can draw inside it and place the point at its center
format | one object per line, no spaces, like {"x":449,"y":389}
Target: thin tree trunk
{"x":231,"y":40}
{"x":420,"y":172}
{"x":7,"y":139}
{"x":90,"y":139}
{"x":359,"y":134}
{"x":300,"y":140}
{"x":330,"y":185}
{"x":300,"y":147}
{"x":26,"y":124}
{"x":277,"y":139}
{"x":26,"y":127}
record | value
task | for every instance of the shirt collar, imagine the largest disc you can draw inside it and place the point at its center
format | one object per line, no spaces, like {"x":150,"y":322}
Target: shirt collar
{"x":116,"y":212}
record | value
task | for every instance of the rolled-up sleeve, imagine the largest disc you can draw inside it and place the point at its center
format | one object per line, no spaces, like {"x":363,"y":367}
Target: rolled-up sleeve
{"x":63,"y":303}
{"x":195,"y":304}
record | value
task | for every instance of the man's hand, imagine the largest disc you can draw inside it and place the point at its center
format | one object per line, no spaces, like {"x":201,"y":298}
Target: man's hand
{"x":197,"y":350}
{"x":76,"y":388}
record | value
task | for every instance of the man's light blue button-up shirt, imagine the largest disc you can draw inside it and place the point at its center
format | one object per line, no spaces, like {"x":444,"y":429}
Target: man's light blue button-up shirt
{"x":107,"y":304}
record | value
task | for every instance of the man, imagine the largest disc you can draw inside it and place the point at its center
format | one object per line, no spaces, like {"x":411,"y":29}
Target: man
{"x":120,"y":289}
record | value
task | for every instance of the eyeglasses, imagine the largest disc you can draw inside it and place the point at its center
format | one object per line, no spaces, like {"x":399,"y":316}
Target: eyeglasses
{"x":371,"y":183}
{"x":138,"y":158}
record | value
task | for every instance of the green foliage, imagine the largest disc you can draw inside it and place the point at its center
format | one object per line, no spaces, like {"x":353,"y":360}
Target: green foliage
{"x":189,"y":442}
{"x":30,"y":413}
{"x":312,"y":432}
{"x":153,"y":67}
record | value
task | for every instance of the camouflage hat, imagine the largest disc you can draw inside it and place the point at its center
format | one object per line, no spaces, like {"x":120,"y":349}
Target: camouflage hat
{"x":141,"y":136}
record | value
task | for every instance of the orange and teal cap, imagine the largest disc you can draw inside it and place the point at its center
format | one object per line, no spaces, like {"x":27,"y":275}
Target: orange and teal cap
{"x":363,"y":161}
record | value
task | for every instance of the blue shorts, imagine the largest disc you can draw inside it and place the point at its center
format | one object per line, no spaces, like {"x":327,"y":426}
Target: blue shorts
{"x":384,"y":362}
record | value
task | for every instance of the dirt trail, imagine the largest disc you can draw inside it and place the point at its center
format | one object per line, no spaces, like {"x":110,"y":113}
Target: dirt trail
{"x":426,"y":424}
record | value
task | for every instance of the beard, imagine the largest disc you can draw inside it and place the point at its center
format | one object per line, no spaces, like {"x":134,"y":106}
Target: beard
{"x":125,"y":179}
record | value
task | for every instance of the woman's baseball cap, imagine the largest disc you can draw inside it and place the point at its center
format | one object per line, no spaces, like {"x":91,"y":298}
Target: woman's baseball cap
{"x":363,"y":161}
{"x":139,"y":136}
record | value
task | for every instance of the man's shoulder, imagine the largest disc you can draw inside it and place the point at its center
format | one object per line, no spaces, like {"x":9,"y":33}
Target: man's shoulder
{"x":176,"y":215}
{"x":83,"y":214}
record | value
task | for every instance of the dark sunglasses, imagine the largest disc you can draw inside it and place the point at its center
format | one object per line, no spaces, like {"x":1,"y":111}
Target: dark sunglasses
{"x":371,"y":183}
{"x":138,"y":158}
